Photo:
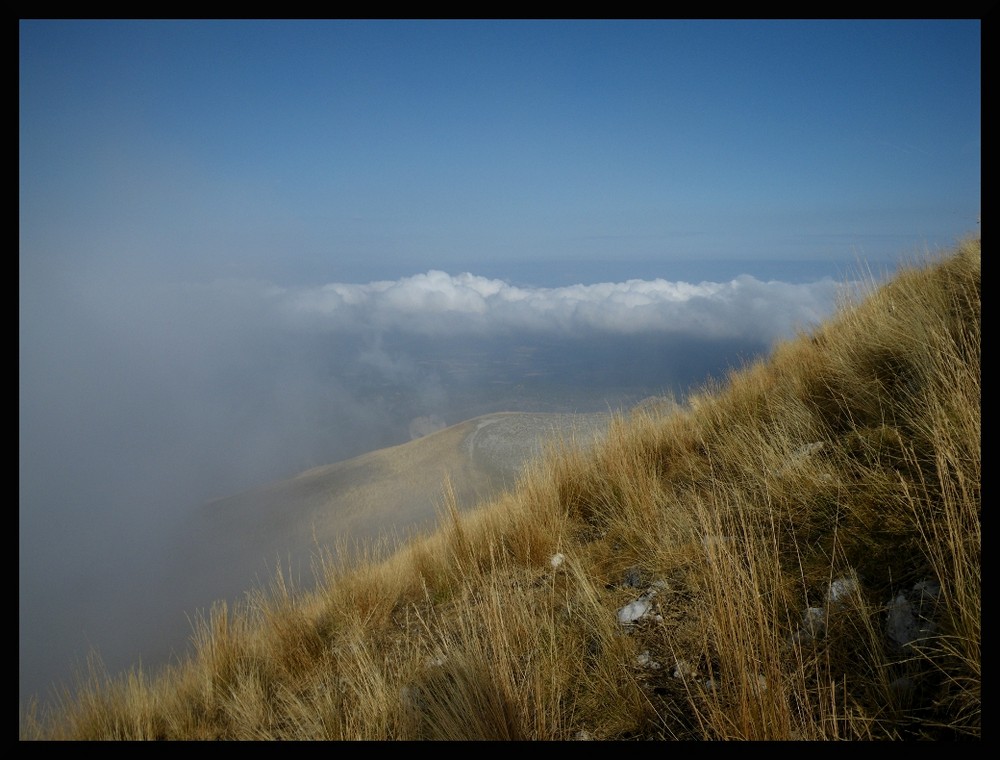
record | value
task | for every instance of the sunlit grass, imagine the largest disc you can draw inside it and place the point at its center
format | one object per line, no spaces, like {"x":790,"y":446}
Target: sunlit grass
{"x":767,"y":526}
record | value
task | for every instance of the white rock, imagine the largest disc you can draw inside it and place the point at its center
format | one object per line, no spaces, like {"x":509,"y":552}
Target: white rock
{"x":901,"y":625}
{"x":634,"y":610}
{"x":683,"y":669}
{"x":814,"y":622}
{"x":841,"y":589}
{"x":904,"y":624}
{"x":645,"y":660}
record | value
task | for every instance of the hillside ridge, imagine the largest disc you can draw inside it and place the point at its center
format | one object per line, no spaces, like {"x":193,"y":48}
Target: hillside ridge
{"x":794,"y":555}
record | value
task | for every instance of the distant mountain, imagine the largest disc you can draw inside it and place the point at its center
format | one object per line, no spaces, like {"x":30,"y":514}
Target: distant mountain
{"x":389,"y":494}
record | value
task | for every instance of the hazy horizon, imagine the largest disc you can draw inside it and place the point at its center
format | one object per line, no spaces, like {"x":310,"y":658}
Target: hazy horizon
{"x":154,"y":400}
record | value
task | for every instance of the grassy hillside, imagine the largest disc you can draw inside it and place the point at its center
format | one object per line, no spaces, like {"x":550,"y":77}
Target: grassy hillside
{"x":794,"y":554}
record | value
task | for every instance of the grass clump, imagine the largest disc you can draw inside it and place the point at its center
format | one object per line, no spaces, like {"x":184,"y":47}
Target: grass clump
{"x":792,"y":554}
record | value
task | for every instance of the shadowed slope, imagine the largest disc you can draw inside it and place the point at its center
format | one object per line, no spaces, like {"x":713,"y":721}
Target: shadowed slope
{"x":386,"y":494}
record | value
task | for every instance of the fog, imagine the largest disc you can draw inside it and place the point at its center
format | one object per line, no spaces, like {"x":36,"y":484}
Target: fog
{"x":249,"y":248}
{"x":141,"y":399}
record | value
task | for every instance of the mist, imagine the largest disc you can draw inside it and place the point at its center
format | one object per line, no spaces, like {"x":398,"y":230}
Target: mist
{"x":248,"y":248}
{"x":141,"y":399}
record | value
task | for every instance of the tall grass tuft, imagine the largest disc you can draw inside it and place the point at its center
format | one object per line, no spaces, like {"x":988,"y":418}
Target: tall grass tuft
{"x":793,"y":553}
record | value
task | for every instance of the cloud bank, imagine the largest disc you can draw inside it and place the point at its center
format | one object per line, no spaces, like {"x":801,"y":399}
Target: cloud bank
{"x":140,"y":400}
{"x":443,"y":304}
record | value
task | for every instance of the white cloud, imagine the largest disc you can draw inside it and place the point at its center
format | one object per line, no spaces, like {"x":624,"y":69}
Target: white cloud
{"x":436,"y":303}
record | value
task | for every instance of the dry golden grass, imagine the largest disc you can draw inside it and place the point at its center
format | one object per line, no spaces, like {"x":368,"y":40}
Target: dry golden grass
{"x":849,"y":458}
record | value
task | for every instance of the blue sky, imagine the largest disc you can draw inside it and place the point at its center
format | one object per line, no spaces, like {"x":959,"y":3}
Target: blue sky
{"x":305,"y":151}
{"x":251,"y":248}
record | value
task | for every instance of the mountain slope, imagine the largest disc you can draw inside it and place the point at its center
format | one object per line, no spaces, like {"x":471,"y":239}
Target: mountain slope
{"x":382,"y":496}
{"x":794,"y":555}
